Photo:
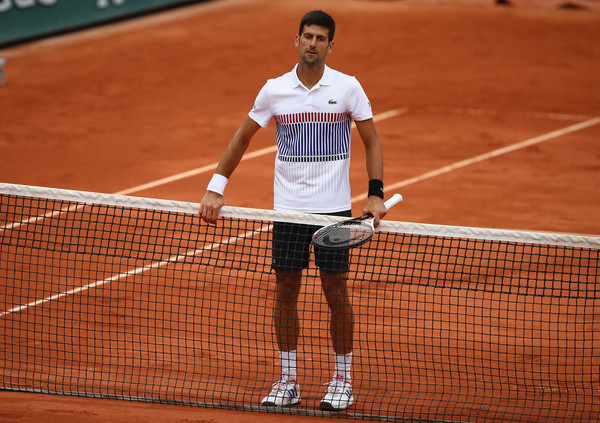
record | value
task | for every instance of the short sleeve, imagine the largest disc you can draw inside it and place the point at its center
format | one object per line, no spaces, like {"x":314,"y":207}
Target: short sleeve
{"x":261,"y":111}
{"x":358,"y":103}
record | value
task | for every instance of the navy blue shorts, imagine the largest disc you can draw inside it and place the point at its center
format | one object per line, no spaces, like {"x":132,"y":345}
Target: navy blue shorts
{"x":291,"y":248}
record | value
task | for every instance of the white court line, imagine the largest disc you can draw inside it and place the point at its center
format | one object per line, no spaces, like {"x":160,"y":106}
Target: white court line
{"x":141,"y":269}
{"x":211,"y":167}
{"x":183,"y":175}
{"x":428,"y":175}
{"x":489,"y":155}
{"x":193,"y":172}
{"x":485,"y":112}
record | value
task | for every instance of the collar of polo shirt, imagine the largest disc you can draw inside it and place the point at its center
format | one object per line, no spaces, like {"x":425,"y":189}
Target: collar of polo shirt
{"x":325,"y":79}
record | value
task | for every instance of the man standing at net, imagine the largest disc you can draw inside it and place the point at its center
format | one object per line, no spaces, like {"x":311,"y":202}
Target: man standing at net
{"x":313,"y":107}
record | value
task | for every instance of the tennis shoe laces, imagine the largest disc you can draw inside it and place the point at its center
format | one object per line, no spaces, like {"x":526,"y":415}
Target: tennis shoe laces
{"x":338,"y":396}
{"x":283,"y":393}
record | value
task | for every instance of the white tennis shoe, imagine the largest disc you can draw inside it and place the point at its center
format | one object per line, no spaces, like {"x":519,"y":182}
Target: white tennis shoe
{"x":338,"y":396}
{"x":283,"y":394}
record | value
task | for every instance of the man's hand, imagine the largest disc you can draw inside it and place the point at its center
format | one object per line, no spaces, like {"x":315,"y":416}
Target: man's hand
{"x":210,"y":206}
{"x":376,"y":207}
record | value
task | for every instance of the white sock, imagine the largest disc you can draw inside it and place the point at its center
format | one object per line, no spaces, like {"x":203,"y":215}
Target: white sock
{"x":288,"y":365}
{"x":343,"y":365}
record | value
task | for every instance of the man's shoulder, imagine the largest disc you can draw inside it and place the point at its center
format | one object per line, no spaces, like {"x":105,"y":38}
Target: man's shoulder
{"x":338,"y":74}
{"x":337,"y":77}
{"x":282,"y":81}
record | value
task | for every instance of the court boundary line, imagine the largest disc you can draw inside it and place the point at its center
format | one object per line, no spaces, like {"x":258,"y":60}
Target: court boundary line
{"x":140,"y":269}
{"x":247,"y":156}
{"x":491,"y":154}
{"x":377,"y":118}
{"x":486,"y":112}
{"x":179,"y":176}
{"x":428,"y":175}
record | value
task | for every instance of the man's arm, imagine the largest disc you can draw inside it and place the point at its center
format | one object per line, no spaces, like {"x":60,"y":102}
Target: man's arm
{"x":374,"y":162}
{"x":213,"y":201}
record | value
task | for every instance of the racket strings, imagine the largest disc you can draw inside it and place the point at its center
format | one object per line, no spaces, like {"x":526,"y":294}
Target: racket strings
{"x":344,"y":234}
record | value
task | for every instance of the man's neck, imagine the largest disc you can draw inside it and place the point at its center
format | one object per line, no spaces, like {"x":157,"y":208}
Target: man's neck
{"x":310,"y":75}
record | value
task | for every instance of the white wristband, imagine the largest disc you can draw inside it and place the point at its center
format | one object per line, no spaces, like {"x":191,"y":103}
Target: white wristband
{"x":217,"y":184}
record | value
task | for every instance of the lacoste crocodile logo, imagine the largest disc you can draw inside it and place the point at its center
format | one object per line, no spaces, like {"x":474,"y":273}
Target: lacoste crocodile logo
{"x":332,"y":101}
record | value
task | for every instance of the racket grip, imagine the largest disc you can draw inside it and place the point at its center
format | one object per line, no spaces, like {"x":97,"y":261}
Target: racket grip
{"x":395,"y":199}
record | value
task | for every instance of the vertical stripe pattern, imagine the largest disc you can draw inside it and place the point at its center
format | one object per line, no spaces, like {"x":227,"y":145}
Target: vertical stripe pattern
{"x":313,"y":161}
{"x":313,"y":136}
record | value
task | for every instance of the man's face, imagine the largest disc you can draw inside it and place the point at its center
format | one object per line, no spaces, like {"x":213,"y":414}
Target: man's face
{"x":313,"y":44}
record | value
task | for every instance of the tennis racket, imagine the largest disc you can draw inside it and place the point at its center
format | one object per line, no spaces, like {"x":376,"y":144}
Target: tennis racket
{"x":349,"y":233}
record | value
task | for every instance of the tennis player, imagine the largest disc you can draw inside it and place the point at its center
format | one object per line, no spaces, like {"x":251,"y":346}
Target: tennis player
{"x":313,"y":107}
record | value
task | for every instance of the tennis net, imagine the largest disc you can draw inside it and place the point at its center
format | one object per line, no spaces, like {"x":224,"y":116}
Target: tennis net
{"x":134,"y":298}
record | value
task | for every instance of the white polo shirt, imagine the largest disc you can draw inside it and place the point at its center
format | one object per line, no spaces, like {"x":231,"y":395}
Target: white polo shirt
{"x":312,"y":165}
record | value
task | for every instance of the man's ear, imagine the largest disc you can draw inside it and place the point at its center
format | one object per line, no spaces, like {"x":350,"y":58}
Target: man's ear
{"x":297,"y":41}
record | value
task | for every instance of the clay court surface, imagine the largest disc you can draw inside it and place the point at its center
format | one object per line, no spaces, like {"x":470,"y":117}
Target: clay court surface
{"x":114,"y":108}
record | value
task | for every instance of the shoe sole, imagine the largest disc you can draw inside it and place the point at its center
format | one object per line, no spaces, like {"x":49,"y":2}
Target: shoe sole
{"x":327,"y":406}
{"x":272,"y":404}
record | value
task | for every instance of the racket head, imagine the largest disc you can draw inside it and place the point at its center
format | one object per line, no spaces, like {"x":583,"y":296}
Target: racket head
{"x":345,"y":234}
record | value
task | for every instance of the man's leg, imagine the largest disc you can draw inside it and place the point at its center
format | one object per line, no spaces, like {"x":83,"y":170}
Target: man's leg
{"x":342,"y":318}
{"x":339,"y":393}
{"x":287,"y":330}
{"x":285,"y":314}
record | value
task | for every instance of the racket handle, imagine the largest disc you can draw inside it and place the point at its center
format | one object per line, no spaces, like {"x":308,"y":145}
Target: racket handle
{"x":395,"y":199}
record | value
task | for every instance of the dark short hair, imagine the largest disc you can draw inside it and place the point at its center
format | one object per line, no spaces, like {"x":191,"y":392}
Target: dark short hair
{"x":320,"y":18}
